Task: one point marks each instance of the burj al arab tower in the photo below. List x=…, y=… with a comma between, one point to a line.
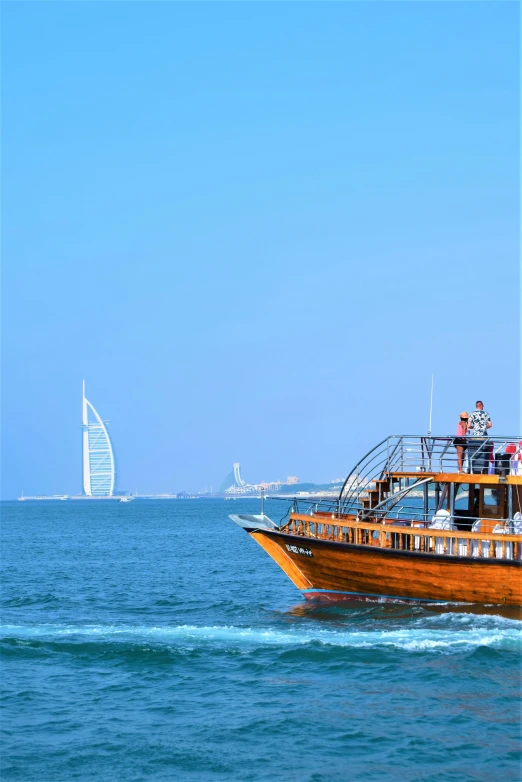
x=98, y=456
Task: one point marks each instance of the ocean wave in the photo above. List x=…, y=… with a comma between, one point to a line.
x=36, y=599
x=501, y=635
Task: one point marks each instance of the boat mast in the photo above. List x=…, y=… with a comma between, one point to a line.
x=431, y=406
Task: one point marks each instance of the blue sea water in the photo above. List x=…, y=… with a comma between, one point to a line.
x=157, y=641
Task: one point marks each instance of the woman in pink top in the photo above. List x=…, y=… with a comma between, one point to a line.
x=460, y=440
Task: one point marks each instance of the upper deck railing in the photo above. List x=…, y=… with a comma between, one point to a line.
x=413, y=455
x=396, y=482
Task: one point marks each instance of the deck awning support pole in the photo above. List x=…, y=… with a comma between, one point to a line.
x=452, y=500
x=510, y=508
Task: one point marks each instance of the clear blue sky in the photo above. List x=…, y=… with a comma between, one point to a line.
x=255, y=229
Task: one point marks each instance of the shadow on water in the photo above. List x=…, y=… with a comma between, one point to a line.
x=351, y=612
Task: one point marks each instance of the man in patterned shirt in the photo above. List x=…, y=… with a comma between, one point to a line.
x=480, y=422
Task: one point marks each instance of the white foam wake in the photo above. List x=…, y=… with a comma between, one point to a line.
x=459, y=635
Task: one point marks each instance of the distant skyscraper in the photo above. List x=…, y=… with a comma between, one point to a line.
x=98, y=457
x=233, y=479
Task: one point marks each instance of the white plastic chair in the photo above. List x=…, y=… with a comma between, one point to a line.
x=516, y=461
x=499, y=529
x=475, y=543
x=442, y=520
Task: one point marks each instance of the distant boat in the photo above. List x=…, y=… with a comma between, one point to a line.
x=460, y=541
x=126, y=499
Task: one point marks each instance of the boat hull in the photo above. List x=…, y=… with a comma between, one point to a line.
x=326, y=570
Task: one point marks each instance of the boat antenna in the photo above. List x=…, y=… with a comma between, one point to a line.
x=431, y=406
x=262, y=501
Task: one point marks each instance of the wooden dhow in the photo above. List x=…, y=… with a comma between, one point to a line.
x=408, y=526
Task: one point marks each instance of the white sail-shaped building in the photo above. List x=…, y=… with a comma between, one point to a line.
x=98, y=456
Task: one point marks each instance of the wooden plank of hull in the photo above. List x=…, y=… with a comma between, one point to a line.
x=370, y=571
x=280, y=555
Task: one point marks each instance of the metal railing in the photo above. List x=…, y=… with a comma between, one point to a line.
x=417, y=454
x=399, y=467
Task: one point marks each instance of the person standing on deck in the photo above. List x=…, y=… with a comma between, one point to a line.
x=460, y=440
x=479, y=421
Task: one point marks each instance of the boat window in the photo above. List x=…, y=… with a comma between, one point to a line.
x=462, y=496
x=492, y=502
x=491, y=496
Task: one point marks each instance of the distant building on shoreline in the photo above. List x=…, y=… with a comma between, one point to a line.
x=233, y=481
x=235, y=485
x=98, y=455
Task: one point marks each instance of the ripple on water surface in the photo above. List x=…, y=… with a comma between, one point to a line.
x=134, y=649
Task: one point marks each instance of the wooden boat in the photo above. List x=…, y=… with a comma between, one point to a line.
x=408, y=526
